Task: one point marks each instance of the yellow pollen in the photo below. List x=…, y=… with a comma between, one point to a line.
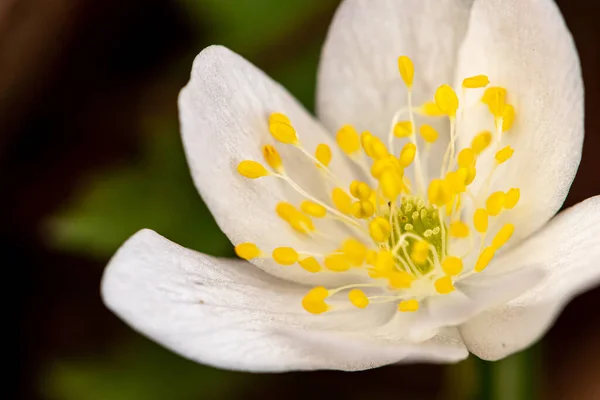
x=323, y=154
x=508, y=117
x=313, y=209
x=310, y=264
x=403, y=129
x=512, y=198
x=391, y=184
x=470, y=175
x=272, y=158
x=252, y=169
x=380, y=229
x=371, y=257
x=400, y=279
x=495, y=99
x=452, y=266
x=459, y=229
x=466, y=158
x=407, y=70
x=494, y=203
x=439, y=192
x=342, y=201
x=360, y=190
x=420, y=252
x=285, y=255
x=354, y=251
x=337, y=263
x=484, y=258
x=504, y=154
x=358, y=298
x=247, y=251
x=407, y=154
x=480, y=220
x=295, y=218
x=390, y=162
x=279, y=117
x=384, y=265
x=314, y=300
x=411, y=305
x=481, y=142
x=431, y=109
x=377, y=149
x=456, y=180
x=446, y=100
x=444, y=285
x=347, y=139
x=475, y=82
x=428, y=133
x=503, y=236
x=363, y=209
x=283, y=132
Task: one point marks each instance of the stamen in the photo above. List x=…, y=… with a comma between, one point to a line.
x=310, y=264
x=252, y=169
x=446, y=100
x=247, y=251
x=282, y=131
x=411, y=305
x=407, y=70
x=481, y=142
x=407, y=154
x=452, y=266
x=504, y=154
x=512, y=198
x=313, y=209
x=342, y=201
x=403, y=129
x=347, y=139
x=314, y=300
x=272, y=158
x=323, y=154
x=459, y=229
x=337, y=263
x=503, y=236
x=444, y=285
x=358, y=298
x=475, y=82
x=484, y=258
x=494, y=203
x=480, y=220
x=285, y=255
x=428, y=133
x=380, y=229
x=360, y=190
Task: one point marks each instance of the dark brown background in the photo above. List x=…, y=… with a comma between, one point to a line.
x=73, y=77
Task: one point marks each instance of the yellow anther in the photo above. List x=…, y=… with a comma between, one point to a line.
x=380, y=229
x=314, y=300
x=371, y=257
x=337, y=263
x=428, y=133
x=310, y=264
x=484, y=258
x=313, y=209
x=400, y=279
x=439, y=192
x=295, y=218
x=407, y=154
x=508, y=117
x=376, y=148
x=452, y=266
x=444, y=285
x=470, y=175
x=480, y=220
x=446, y=100
x=347, y=139
x=247, y=251
x=279, y=117
x=431, y=109
x=495, y=98
x=407, y=70
x=384, y=264
x=466, y=158
x=475, y=82
x=481, y=141
x=420, y=252
x=285, y=210
x=503, y=236
x=411, y=305
x=358, y=298
x=494, y=203
x=391, y=184
x=504, y=154
x=456, y=180
x=252, y=169
x=342, y=201
x=283, y=132
x=403, y=129
x=363, y=209
x=323, y=154
x=459, y=229
x=512, y=198
x=360, y=190
x=272, y=157
x=354, y=251
x=285, y=255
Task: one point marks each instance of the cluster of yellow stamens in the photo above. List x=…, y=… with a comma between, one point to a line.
x=406, y=233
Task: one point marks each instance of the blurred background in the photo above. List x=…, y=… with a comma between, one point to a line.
x=90, y=153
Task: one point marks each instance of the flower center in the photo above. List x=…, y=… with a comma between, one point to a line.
x=410, y=241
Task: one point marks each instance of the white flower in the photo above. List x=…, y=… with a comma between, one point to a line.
x=407, y=258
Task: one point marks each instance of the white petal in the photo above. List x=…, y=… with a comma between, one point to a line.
x=569, y=251
x=224, y=111
x=231, y=315
x=524, y=46
x=359, y=81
